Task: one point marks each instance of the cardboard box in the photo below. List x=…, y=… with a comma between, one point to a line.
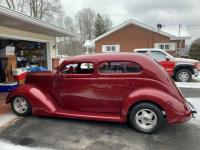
x=20, y=82
x=55, y=63
x=11, y=63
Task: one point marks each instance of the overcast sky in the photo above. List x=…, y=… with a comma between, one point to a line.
x=151, y=12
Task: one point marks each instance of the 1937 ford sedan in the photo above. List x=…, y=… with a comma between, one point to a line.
x=106, y=87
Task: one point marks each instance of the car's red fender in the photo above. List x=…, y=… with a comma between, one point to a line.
x=40, y=101
x=173, y=108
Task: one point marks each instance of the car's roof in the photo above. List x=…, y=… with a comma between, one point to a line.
x=106, y=56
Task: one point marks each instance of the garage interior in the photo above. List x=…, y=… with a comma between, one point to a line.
x=20, y=54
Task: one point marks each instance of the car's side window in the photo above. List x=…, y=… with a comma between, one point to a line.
x=158, y=55
x=78, y=68
x=85, y=68
x=119, y=67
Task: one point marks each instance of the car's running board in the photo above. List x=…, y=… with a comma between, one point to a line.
x=88, y=116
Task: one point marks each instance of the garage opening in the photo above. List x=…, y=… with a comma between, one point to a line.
x=20, y=54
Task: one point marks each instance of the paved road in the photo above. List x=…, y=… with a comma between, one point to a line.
x=188, y=92
x=69, y=134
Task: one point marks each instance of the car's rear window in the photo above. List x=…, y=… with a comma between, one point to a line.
x=117, y=67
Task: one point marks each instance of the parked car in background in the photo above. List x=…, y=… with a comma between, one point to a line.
x=181, y=69
x=107, y=87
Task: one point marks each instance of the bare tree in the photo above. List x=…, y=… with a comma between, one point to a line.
x=10, y=4
x=44, y=8
x=17, y=5
x=21, y=5
x=107, y=22
x=85, y=21
x=69, y=23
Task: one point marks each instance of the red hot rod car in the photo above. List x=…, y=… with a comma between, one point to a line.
x=108, y=87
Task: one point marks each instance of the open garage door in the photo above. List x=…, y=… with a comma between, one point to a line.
x=16, y=53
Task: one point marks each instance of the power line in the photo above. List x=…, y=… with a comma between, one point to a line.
x=195, y=25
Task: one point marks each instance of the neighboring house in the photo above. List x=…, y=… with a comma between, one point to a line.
x=131, y=35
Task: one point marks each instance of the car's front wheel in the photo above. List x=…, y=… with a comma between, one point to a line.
x=183, y=75
x=146, y=118
x=21, y=106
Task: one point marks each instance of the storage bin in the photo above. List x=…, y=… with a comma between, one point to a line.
x=18, y=71
x=7, y=87
x=20, y=76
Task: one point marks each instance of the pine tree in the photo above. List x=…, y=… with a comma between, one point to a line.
x=195, y=51
x=99, y=26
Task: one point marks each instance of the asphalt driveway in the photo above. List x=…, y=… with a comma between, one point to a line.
x=85, y=135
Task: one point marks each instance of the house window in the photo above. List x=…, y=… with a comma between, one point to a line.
x=110, y=48
x=161, y=46
x=113, y=48
x=165, y=46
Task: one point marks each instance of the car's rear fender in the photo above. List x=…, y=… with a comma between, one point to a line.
x=172, y=107
x=40, y=102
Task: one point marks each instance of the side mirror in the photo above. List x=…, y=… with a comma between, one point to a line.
x=167, y=58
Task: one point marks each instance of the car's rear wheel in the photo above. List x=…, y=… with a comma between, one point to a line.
x=183, y=75
x=21, y=106
x=146, y=118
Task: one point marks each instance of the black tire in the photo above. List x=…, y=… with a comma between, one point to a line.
x=146, y=106
x=26, y=112
x=187, y=72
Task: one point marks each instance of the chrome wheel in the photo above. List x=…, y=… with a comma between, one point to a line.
x=184, y=76
x=146, y=119
x=20, y=105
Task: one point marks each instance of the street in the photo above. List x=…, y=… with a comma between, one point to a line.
x=54, y=133
x=188, y=92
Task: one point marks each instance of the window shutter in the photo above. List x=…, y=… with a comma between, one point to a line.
x=117, y=48
x=103, y=48
x=156, y=45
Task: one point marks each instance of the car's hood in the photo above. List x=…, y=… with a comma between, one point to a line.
x=185, y=60
x=40, y=77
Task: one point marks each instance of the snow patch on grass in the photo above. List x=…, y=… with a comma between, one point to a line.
x=196, y=103
x=197, y=78
x=194, y=85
